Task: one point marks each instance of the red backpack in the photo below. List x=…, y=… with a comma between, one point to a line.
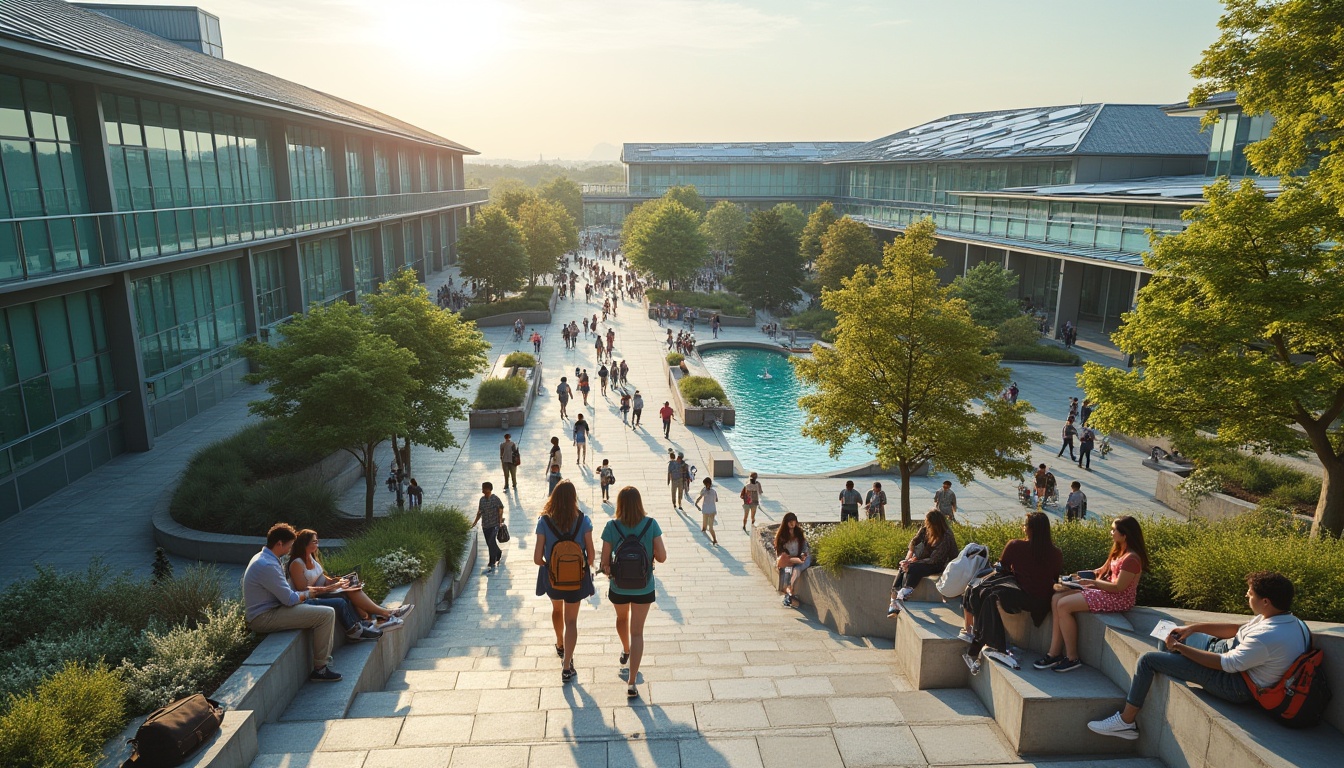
x=1299, y=699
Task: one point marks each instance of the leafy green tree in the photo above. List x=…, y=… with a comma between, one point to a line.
x=548, y=233
x=511, y=200
x=335, y=385
x=1284, y=59
x=724, y=226
x=505, y=187
x=767, y=269
x=907, y=375
x=666, y=243
x=689, y=196
x=987, y=289
x=633, y=220
x=793, y=217
x=491, y=250
x=845, y=246
x=809, y=242
x=568, y=194
x=448, y=350
x=1240, y=334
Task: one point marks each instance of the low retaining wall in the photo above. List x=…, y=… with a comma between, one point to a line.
x=529, y=317
x=695, y=416
x=1215, y=506
x=507, y=418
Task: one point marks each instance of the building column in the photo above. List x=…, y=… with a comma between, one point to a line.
x=1068, y=296
x=1005, y=258
x=128, y=369
x=97, y=168
x=966, y=260
x=294, y=279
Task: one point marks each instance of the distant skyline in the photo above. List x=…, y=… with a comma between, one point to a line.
x=525, y=78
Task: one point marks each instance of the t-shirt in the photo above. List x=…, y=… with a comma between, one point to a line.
x=674, y=468
x=1035, y=575
x=492, y=510
x=753, y=493
x=563, y=392
x=555, y=455
x=1040, y=478
x=709, y=501
x=544, y=531
x=850, y=500
x=945, y=500
x=580, y=431
x=506, y=451
x=1264, y=648
x=665, y=412
x=875, y=499
x=638, y=403
x=615, y=532
x=1112, y=568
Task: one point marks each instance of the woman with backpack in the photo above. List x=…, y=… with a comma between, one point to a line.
x=631, y=544
x=930, y=551
x=563, y=553
x=794, y=555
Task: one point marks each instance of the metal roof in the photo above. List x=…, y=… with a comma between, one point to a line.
x=101, y=41
x=734, y=152
x=1063, y=131
x=1220, y=100
x=1178, y=187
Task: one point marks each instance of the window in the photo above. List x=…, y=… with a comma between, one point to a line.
x=268, y=272
x=190, y=324
x=321, y=263
x=363, y=255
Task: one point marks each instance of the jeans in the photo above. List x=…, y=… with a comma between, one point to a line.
x=1227, y=686
x=637, y=413
x=492, y=541
x=1068, y=443
x=678, y=493
x=667, y=428
x=913, y=573
x=849, y=514
x=1085, y=455
x=510, y=471
x=345, y=615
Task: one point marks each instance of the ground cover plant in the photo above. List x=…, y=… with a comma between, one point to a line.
x=675, y=358
x=719, y=301
x=1252, y=478
x=1197, y=564
x=520, y=360
x=244, y=483
x=534, y=299
x=500, y=393
x=426, y=534
x=697, y=388
x=1037, y=353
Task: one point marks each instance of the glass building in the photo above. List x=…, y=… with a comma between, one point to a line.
x=158, y=207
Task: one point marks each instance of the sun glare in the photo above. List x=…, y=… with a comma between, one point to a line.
x=462, y=34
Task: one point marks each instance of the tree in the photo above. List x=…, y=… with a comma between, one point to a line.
x=724, y=226
x=794, y=218
x=335, y=385
x=448, y=350
x=687, y=195
x=568, y=194
x=767, y=269
x=906, y=372
x=548, y=233
x=1240, y=334
x=491, y=250
x=666, y=243
x=809, y=242
x=1284, y=59
x=845, y=246
x=508, y=188
x=987, y=288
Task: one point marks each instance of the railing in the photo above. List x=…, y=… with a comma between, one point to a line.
x=45, y=245
x=808, y=191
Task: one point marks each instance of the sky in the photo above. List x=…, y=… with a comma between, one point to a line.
x=556, y=78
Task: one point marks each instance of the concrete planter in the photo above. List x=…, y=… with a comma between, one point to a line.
x=695, y=416
x=532, y=317
x=1214, y=507
x=507, y=418
x=727, y=321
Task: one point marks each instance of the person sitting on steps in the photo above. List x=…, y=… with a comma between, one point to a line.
x=306, y=572
x=1025, y=581
x=930, y=551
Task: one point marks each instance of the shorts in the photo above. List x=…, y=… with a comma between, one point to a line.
x=750, y=508
x=707, y=521
x=644, y=599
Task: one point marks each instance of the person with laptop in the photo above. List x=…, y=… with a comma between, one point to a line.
x=306, y=571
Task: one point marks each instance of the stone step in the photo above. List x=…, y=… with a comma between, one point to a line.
x=927, y=648
x=330, y=701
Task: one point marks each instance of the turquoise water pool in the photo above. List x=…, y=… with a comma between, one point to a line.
x=768, y=436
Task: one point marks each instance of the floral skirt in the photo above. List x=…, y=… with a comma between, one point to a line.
x=1109, y=602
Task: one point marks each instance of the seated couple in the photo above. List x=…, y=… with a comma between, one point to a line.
x=271, y=604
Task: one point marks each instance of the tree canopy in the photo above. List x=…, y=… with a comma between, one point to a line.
x=767, y=269
x=568, y=194
x=793, y=218
x=511, y=199
x=665, y=241
x=1240, y=334
x=335, y=384
x=809, y=242
x=987, y=288
x=491, y=250
x=724, y=226
x=548, y=233
x=845, y=246
x=907, y=375
x=689, y=196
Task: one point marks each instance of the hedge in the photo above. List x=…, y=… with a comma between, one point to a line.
x=719, y=301
x=520, y=360
x=427, y=533
x=1197, y=565
x=675, y=358
x=1036, y=353
x=500, y=393
x=244, y=483
x=535, y=299
x=1253, y=478
x=697, y=388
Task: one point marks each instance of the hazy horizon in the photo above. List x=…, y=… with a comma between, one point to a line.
x=521, y=78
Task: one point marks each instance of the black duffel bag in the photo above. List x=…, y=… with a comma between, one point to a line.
x=172, y=733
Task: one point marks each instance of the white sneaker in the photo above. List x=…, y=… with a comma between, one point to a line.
x=971, y=663
x=1114, y=726
x=1005, y=659
x=965, y=637
x=894, y=609
x=904, y=593
x=392, y=622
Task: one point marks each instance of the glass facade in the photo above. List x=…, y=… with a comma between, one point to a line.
x=736, y=180
x=391, y=250
x=268, y=276
x=312, y=178
x=41, y=175
x=933, y=182
x=190, y=323
x=362, y=245
x=321, y=264
x=1227, y=150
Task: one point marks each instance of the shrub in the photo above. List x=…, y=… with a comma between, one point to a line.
x=719, y=301
x=22, y=668
x=53, y=603
x=819, y=321
x=190, y=596
x=675, y=358
x=1037, y=353
x=697, y=388
x=866, y=542
x=64, y=723
x=1020, y=331
x=520, y=360
x=500, y=393
x=428, y=534
x=186, y=659
x=535, y=299
x=400, y=567
x=1253, y=478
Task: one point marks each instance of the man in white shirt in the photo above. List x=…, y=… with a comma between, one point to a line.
x=1216, y=655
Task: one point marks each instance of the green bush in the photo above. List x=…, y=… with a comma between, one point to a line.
x=1020, y=331
x=244, y=483
x=865, y=542
x=1037, y=353
x=1254, y=477
x=723, y=303
x=428, y=533
x=675, y=358
x=536, y=299
x=500, y=393
x=64, y=723
x=188, y=659
x=819, y=321
x=520, y=360
x=189, y=596
x=697, y=388
x=55, y=604
x=22, y=668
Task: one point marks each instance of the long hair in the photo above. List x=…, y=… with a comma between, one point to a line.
x=784, y=534
x=562, y=506
x=935, y=527
x=629, y=506
x=1129, y=528
x=300, y=550
x=1038, y=532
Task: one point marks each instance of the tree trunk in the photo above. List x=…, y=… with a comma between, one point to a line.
x=905, y=493
x=370, y=482
x=1330, y=506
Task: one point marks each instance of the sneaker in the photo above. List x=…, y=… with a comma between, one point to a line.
x=965, y=637
x=1046, y=662
x=1114, y=726
x=631, y=692
x=1003, y=658
x=391, y=623
x=893, y=609
x=567, y=674
x=1068, y=665
x=624, y=658
x=971, y=663
x=325, y=675
x=403, y=611
x=361, y=632
x=788, y=601
x=904, y=593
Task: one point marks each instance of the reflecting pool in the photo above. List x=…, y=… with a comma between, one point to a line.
x=768, y=437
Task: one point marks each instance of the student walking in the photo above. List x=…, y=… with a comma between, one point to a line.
x=554, y=456
x=637, y=409
x=490, y=514
x=563, y=393
x=602, y=379
x=675, y=469
x=509, y=459
x=1086, y=442
x=606, y=478
x=631, y=544
x=849, y=502
x=563, y=555
x=1068, y=433
x=415, y=495
x=666, y=414
x=876, y=502
x=751, y=499
x=552, y=479
x=581, y=432
x=707, y=501
x=945, y=501
x=584, y=386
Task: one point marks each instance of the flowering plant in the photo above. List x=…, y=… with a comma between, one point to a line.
x=400, y=566
x=1198, y=486
x=710, y=402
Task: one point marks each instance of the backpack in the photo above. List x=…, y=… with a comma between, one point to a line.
x=608, y=477
x=965, y=568
x=517, y=458
x=568, y=563
x=172, y=733
x=631, y=565
x=1300, y=698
